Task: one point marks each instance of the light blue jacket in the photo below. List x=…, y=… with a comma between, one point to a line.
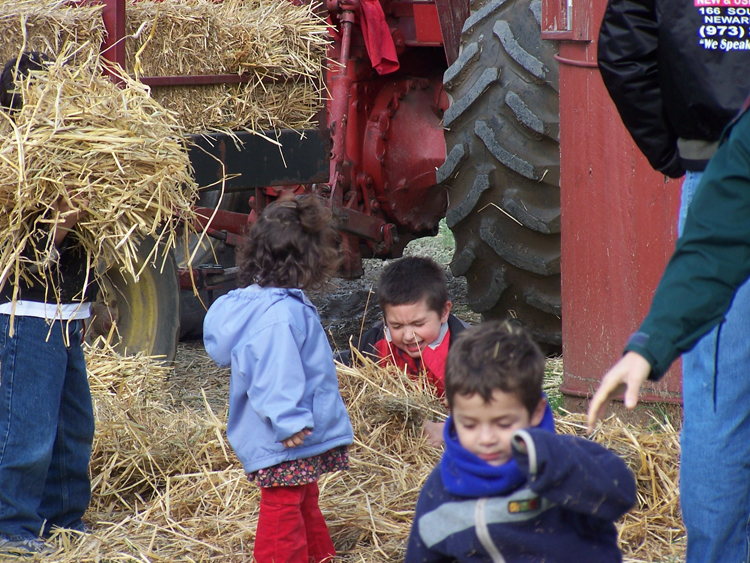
x=283, y=376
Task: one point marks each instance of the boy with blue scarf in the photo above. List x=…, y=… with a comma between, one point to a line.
x=508, y=488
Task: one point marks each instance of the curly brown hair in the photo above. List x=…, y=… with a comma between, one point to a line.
x=292, y=244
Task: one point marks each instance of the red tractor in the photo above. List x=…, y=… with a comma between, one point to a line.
x=466, y=128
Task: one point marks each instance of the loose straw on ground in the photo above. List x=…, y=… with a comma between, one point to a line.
x=167, y=486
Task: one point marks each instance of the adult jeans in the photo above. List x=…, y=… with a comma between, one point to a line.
x=715, y=441
x=46, y=427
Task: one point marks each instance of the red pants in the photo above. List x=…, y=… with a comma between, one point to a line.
x=291, y=528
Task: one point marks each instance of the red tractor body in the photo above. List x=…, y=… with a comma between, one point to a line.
x=379, y=153
x=385, y=130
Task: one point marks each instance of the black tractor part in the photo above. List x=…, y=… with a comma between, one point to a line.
x=503, y=167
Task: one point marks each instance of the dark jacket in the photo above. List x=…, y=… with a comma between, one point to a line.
x=711, y=261
x=67, y=275
x=675, y=71
x=564, y=513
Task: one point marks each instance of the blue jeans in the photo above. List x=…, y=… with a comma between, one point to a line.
x=715, y=460
x=46, y=427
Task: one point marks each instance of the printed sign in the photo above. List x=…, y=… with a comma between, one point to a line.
x=725, y=25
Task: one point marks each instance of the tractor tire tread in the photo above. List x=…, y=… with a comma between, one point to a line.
x=512, y=161
x=468, y=55
x=524, y=114
x=514, y=252
x=462, y=210
x=457, y=109
x=495, y=289
x=482, y=14
x=463, y=260
x=518, y=53
x=537, y=219
x=504, y=179
x=455, y=157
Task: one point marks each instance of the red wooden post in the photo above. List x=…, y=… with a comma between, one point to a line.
x=452, y=14
x=619, y=216
x=114, y=21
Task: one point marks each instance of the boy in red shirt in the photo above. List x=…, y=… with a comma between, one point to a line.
x=417, y=327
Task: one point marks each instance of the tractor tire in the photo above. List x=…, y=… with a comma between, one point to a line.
x=503, y=167
x=146, y=313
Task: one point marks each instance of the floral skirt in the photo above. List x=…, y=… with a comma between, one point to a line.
x=302, y=471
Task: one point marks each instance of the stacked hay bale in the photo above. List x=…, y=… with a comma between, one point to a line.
x=167, y=486
x=48, y=26
x=279, y=46
x=119, y=153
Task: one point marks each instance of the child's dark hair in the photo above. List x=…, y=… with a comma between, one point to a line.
x=495, y=355
x=412, y=279
x=292, y=244
x=14, y=68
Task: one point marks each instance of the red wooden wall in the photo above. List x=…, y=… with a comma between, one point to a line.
x=619, y=216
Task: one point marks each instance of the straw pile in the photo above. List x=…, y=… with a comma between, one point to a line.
x=280, y=45
x=168, y=488
x=109, y=151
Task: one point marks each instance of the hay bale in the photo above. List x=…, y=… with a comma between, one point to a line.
x=199, y=506
x=110, y=151
x=282, y=47
x=255, y=106
x=47, y=26
x=142, y=440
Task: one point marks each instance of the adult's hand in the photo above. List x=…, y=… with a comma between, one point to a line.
x=626, y=375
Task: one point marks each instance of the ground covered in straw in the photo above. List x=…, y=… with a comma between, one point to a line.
x=167, y=486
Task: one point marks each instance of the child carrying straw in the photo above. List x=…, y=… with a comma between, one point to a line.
x=287, y=421
x=46, y=414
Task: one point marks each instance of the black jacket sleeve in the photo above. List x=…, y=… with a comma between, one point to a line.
x=576, y=474
x=628, y=64
x=364, y=343
x=711, y=261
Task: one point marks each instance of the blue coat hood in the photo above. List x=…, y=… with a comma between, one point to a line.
x=283, y=377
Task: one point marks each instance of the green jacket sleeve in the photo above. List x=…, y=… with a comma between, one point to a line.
x=711, y=261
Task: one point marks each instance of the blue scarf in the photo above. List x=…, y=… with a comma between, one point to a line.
x=467, y=475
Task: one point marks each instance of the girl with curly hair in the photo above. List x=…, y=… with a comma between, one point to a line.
x=287, y=421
